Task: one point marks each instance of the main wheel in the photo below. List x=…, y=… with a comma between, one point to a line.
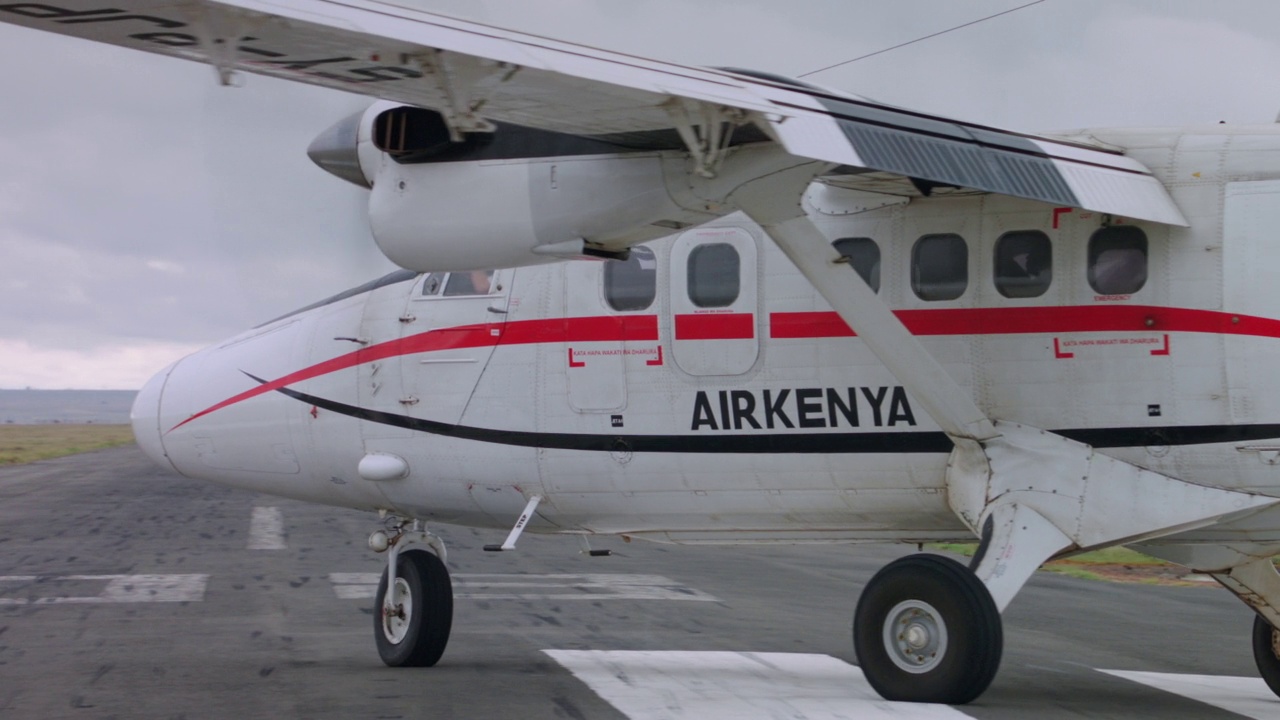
x=927, y=630
x=1266, y=652
x=415, y=630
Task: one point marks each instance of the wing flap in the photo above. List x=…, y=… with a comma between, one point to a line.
x=469, y=70
x=935, y=151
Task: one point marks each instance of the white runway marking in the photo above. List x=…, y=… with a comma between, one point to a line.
x=266, y=529
x=514, y=586
x=1245, y=696
x=355, y=586
x=118, y=589
x=647, y=685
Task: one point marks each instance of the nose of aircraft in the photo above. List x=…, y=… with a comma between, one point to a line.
x=145, y=417
x=337, y=150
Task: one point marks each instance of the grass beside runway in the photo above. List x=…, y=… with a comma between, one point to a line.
x=28, y=443
x=1116, y=564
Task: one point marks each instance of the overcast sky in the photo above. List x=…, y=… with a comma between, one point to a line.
x=146, y=212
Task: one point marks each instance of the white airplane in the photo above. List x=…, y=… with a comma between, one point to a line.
x=802, y=317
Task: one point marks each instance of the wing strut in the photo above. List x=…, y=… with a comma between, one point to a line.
x=862, y=309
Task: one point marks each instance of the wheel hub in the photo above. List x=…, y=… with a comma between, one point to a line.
x=915, y=636
x=396, y=611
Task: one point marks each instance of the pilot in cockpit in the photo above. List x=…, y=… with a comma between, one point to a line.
x=475, y=282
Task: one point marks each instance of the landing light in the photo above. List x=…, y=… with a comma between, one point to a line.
x=381, y=467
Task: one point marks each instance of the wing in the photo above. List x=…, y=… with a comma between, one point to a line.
x=473, y=73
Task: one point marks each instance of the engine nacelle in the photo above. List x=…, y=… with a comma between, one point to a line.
x=515, y=196
x=476, y=214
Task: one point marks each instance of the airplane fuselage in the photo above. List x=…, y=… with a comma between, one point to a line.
x=704, y=392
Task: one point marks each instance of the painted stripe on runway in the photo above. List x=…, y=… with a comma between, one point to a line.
x=1245, y=696
x=266, y=529
x=648, y=685
x=515, y=586
x=117, y=589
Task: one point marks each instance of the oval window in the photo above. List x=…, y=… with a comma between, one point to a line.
x=940, y=267
x=1118, y=260
x=1024, y=264
x=631, y=284
x=714, y=271
x=864, y=257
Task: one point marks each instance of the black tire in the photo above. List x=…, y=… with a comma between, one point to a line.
x=1264, y=653
x=953, y=649
x=415, y=636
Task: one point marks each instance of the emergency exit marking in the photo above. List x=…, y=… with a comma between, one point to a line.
x=653, y=355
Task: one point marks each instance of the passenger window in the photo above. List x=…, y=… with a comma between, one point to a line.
x=714, y=275
x=940, y=267
x=631, y=284
x=475, y=282
x=431, y=286
x=864, y=257
x=1118, y=260
x=1024, y=264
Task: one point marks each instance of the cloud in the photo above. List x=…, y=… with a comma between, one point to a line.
x=116, y=366
x=144, y=206
x=165, y=266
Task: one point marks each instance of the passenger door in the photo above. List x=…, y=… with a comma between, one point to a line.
x=714, y=301
x=610, y=325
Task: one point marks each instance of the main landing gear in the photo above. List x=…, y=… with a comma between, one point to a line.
x=413, y=608
x=1266, y=652
x=1247, y=570
x=927, y=630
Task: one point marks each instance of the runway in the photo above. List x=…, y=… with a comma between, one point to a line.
x=129, y=592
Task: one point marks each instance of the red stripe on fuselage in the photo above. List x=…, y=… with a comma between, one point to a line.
x=794, y=325
x=1017, y=321
x=520, y=332
x=715, y=326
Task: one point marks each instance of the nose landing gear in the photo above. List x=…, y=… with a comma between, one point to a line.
x=414, y=603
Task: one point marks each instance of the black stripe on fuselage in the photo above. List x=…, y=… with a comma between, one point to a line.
x=812, y=443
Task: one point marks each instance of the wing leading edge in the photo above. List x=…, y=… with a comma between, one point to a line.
x=474, y=73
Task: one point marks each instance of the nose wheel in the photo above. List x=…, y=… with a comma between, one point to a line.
x=927, y=630
x=414, y=614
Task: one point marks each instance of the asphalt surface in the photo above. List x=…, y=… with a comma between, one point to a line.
x=130, y=592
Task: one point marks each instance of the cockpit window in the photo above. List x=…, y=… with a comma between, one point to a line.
x=474, y=282
x=431, y=286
